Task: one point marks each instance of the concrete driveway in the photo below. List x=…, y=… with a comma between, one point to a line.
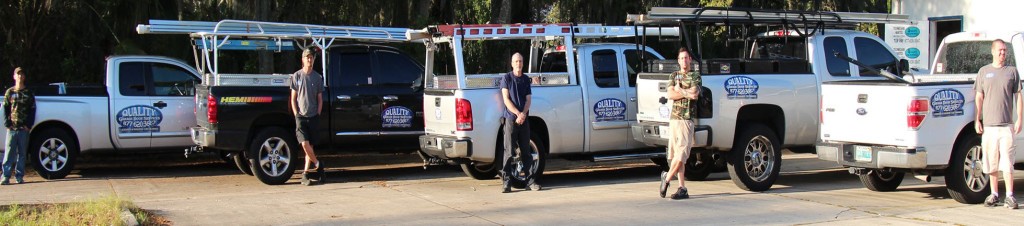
x=392, y=189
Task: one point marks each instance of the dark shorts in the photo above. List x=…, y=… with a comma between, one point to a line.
x=305, y=128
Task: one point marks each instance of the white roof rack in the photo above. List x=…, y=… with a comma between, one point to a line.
x=210, y=37
x=252, y=29
x=533, y=31
x=661, y=15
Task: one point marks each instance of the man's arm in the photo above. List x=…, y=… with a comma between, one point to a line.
x=291, y=102
x=979, y=97
x=7, y=110
x=1020, y=112
x=508, y=102
x=319, y=102
x=31, y=117
x=674, y=93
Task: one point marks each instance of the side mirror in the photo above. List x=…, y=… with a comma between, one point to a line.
x=904, y=66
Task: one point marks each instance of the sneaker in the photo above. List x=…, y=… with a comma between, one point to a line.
x=5, y=182
x=505, y=187
x=681, y=194
x=19, y=180
x=321, y=177
x=663, y=188
x=1010, y=202
x=992, y=200
x=534, y=187
x=305, y=179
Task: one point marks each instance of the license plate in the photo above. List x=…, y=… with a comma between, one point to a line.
x=862, y=154
x=664, y=132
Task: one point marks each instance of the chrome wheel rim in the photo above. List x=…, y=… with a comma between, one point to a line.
x=275, y=155
x=518, y=171
x=759, y=158
x=53, y=154
x=974, y=177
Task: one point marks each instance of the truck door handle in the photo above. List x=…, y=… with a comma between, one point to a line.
x=632, y=99
x=390, y=98
x=344, y=97
x=160, y=104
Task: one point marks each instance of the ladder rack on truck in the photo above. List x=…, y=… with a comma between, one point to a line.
x=537, y=33
x=803, y=23
x=211, y=37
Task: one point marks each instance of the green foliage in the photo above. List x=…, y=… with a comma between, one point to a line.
x=104, y=210
x=67, y=41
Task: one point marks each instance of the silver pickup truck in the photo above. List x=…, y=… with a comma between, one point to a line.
x=145, y=105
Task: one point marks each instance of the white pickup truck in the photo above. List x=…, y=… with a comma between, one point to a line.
x=764, y=97
x=583, y=98
x=146, y=105
x=883, y=129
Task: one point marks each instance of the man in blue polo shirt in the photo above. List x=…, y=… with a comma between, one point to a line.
x=515, y=95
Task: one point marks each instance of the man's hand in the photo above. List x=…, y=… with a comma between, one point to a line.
x=978, y=127
x=1016, y=127
x=520, y=118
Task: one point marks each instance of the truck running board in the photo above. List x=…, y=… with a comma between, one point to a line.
x=628, y=156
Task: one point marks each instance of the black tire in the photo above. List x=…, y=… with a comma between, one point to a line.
x=480, y=170
x=47, y=148
x=272, y=147
x=540, y=156
x=662, y=163
x=878, y=180
x=699, y=166
x=965, y=180
x=242, y=163
x=757, y=145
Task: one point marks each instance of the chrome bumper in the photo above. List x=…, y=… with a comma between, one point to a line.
x=648, y=133
x=446, y=147
x=881, y=156
x=203, y=137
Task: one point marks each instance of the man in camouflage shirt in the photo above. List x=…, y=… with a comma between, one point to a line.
x=683, y=91
x=19, y=116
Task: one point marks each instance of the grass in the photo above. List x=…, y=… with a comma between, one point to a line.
x=104, y=210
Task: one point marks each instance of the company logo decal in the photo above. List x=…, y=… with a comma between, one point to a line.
x=610, y=109
x=947, y=102
x=396, y=117
x=741, y=87
x=139, y=119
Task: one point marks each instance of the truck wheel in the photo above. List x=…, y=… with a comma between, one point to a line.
x=53, y=152
x=699, y=166
x=479, y=170
x=755, y=158
x=662, y=163
x=965, y=180
x=518, y=176
x=878, y=180
x=242, y=163
x=271, y=154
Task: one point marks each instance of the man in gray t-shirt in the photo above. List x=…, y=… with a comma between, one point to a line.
x=306, y=102
x=996, y=87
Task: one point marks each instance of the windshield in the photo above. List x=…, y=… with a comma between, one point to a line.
x=967, y=57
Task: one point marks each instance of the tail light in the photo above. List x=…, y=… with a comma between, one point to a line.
x=916, y=112
x=211, y=109
x=463, y=115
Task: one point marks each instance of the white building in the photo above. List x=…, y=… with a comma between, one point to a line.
x=938, y=18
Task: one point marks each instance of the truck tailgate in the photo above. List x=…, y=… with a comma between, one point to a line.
x=651, y=89
x=867, y=113
x=439, y=112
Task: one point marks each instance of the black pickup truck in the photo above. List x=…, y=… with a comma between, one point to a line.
x=373, y=101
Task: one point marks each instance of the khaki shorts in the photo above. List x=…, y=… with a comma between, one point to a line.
x=997, y=149
x=680, y=139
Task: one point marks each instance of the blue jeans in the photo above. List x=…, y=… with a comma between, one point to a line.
x=16, y=153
